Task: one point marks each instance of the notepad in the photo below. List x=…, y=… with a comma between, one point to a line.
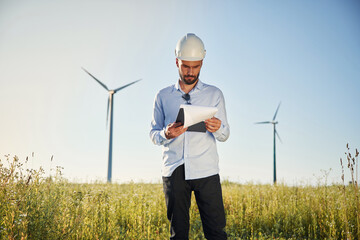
x=193, y=117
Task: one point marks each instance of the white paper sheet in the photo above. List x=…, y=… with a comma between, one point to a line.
x=194, y=114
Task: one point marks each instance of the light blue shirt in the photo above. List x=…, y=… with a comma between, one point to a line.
x=196, y=150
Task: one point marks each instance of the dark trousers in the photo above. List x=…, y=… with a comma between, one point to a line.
x=208, y=198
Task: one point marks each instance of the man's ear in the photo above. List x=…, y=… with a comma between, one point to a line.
x=177, y=62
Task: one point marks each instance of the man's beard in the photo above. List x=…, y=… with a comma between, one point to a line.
x=190, y=81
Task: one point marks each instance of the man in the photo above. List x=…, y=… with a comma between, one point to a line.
x=190, y=159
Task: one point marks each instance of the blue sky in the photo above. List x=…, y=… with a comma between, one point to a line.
x=305, y=54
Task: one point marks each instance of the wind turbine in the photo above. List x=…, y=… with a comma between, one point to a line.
x=110, y=105
x=273, y=122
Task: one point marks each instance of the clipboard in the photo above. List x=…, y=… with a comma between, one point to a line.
x=198, y=127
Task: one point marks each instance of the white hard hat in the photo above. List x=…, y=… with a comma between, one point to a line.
x=190, y=48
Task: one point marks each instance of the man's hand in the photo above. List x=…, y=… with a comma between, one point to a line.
x=174, y=130
x=213, y=124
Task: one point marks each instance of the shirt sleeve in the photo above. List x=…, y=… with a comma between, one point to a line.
x=157, y=132
x=223, y=133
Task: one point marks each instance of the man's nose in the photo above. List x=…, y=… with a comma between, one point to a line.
x=191, y=71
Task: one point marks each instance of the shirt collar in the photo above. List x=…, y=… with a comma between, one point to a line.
x=198, y=86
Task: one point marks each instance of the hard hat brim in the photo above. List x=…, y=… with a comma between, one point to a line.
x=190, y=58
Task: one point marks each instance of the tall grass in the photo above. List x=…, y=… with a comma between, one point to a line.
x=33, y=206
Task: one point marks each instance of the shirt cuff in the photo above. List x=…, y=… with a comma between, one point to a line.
x=162, y=134
x=164, y=140
x=218, y=133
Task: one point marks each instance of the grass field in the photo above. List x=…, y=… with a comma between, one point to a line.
x=35, y=207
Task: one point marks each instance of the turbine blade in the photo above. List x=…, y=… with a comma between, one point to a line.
x=262, y=122
x=103, y=85
x=278, y=135
x=276, y=111
x=118, y=89
x=107, y=114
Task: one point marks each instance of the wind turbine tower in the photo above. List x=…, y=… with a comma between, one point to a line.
x=110, y=105
x=273, y=122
